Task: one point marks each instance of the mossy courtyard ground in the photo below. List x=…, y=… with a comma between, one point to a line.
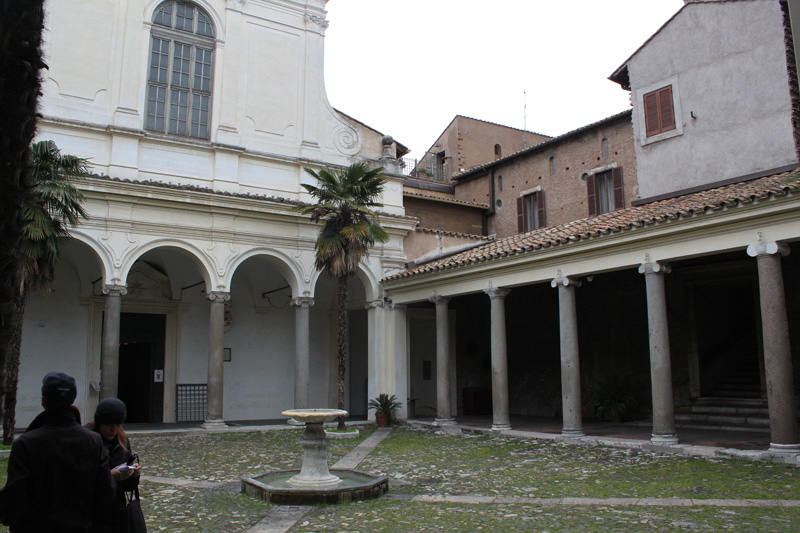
x=471, y=482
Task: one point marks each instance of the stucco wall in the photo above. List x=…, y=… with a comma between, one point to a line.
x=727, y=64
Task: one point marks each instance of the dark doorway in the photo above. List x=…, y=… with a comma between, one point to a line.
x=727, y=339
x=141, y=366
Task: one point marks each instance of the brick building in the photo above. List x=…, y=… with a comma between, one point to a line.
x=588, y=171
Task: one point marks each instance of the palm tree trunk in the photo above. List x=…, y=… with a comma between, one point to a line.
x=21, y=25
x=341, y=340
x=12, y=373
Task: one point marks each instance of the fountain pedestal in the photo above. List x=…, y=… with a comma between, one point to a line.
x=315, y=484
x=314, y=472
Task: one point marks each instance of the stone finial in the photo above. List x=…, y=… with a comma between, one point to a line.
x=387, y=141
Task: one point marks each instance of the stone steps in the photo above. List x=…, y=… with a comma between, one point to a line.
x=741, y=414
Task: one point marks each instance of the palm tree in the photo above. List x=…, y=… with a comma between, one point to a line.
x=55, y=205
x=345, y=202
x=21, y=26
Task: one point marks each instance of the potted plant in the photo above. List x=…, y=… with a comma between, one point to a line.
x=614, y=398
x=384, y=406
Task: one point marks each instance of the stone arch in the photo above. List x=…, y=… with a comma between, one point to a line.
x=105, y=261
x=200, y=259
x=372, y=289
x=285, y=264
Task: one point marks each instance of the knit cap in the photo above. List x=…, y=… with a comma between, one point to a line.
x=110, y=411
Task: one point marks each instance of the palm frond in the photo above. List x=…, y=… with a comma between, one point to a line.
x=344, y=203
x=54, y=206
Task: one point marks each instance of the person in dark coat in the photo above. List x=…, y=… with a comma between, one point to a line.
x=58, y=474
x=125, y=468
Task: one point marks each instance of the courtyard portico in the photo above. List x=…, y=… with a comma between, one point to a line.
x=218, y=310
x=629, y=316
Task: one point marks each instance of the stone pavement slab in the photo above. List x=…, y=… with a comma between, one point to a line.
x=281, y=519
x=352, y=459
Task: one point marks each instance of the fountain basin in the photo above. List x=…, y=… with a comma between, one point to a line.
x=274, y=487
x=314, y=416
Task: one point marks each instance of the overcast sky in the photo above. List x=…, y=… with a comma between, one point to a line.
x=407, y=67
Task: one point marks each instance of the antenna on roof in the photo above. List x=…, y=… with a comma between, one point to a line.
x=524, y=118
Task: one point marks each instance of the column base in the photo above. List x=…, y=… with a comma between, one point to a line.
x=664, y=439
x=572, y=433
x=214, y=424
x=501, y=427
x=784, y=449
x=444, y=422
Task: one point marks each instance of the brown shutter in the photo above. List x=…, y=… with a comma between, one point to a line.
x=667, y=113
x=651, y=118
x=540, y=209
x=591, y=188
x=619, y=189
x=520, y=215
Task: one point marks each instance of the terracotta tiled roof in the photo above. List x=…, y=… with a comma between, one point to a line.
x=454, y=234
x=670, y=209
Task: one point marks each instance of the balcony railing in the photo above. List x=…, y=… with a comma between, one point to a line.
x=426, y=168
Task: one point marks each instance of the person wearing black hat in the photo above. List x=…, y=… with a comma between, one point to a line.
x=125, y=468
x=58, y=476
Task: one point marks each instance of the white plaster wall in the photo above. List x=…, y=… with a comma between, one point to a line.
x=727, y=63
x=54, y=339
x=259, y=380
x=269, y=107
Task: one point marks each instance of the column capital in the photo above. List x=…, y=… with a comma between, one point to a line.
x=219, y=296
x=115, y=289
x=374, y=304
x=306, y=302
x=496, y=292
x=564, y=281
x=439, y=299
x=767, y=248
x=654, y=267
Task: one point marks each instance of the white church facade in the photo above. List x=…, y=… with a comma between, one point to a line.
x=190, y=292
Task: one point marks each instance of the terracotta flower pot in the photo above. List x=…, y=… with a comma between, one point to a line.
x=382, y=419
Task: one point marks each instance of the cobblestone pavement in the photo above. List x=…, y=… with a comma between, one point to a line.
x=468, y=481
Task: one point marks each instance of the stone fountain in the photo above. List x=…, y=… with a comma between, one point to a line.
x=314, y=483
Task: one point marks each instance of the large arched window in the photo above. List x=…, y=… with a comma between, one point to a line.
x=181, y=65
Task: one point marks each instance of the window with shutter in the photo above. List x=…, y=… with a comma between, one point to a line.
x=605, y=192
x=530, y=212
x=659, y=111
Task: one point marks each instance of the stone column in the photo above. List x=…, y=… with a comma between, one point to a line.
x=444, y=411
x=376, y=360
x=501, y=419
x=777, y=351
x=216, y=330
x=660, y=359
x=570, y=360
x=109, y=365
x=302, y=376
x=401, y=365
